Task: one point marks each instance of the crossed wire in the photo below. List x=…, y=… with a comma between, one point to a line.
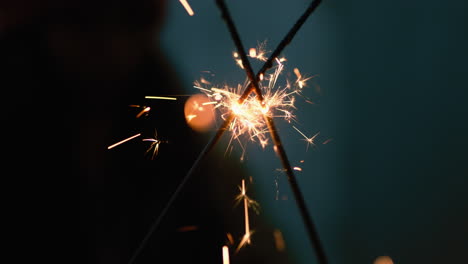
x=253, y=87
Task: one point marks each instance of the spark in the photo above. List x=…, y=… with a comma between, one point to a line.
x=225, y=255
x=230, y=239
x=144, y=110
x=123, y=141
x=250, y=113
x=245, y=240
x=247, y=203
x=310, y=141
x=154, y=145
x=301, y=81
x=246, y=213
x=187, y=7
x=160, y=97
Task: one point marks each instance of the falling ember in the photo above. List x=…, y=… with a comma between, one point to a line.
x=225, y=255
x=297, y=168
x=187, y=7
x=123, y=141
x=279, y=240
x=199, y=112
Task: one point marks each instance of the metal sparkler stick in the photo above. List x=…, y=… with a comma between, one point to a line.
x=313, y=235
x=253, y=86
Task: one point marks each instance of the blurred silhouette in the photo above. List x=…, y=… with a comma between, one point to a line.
x=75, y=77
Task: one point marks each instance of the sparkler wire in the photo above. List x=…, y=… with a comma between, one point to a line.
x=313, y=235
x=276, y=139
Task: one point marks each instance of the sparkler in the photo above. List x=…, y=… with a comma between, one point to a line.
x=278, y=102
x=253, y=87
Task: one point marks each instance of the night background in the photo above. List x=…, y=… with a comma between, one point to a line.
x=388, y=173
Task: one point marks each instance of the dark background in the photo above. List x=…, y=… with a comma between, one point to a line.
x=390, y=95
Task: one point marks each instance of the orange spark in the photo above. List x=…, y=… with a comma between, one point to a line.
x=187, y=7
x=144, y=111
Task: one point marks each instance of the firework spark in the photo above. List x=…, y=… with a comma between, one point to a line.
x=123, y=141
x=155, y=142
x=310, y=141
x=278, y=101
